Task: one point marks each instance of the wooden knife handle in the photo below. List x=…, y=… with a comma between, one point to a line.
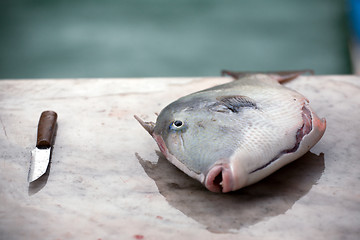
x=46, y=129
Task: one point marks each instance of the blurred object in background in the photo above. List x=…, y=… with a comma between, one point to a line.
x=160, y=38
x=354, y=16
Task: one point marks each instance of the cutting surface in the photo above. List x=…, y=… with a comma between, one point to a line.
x=107, y=179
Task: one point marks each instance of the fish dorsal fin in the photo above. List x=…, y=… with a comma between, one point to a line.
x=233, y=103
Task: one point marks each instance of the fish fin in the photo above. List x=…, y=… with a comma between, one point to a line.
x=284, y=76
x=233, y=103
x=235, y=75
x=281, y=76
x=148, y=126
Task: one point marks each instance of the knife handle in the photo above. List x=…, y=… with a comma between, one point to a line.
x=46, y=129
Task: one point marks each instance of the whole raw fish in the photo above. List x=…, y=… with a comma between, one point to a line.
x=235, y=134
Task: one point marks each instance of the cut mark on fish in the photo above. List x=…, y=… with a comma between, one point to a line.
x=182, y=141
x=301, y=132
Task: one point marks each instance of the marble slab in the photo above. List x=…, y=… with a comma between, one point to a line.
x=107, y=179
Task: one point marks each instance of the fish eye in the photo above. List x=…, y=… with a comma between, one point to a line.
x=176, y=125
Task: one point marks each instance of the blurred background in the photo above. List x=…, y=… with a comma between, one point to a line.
x=160, y=38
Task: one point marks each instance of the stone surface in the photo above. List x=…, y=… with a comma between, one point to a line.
x=107, y=179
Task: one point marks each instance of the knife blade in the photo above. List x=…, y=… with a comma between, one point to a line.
x=40, y=156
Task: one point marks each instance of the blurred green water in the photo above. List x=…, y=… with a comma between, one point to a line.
x=155, y=38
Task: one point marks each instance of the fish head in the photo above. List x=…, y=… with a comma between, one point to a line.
x=226, y=148
x=197, y=140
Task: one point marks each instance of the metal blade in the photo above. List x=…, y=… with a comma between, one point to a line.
x=39, y=163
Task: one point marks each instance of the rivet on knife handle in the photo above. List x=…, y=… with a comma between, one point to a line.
x=46, y=129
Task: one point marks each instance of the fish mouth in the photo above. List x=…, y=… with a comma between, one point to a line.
x=220, y=178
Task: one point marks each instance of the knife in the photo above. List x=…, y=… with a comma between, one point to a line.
x=40, y=156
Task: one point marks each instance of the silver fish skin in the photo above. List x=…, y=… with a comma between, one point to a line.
x=235, y=134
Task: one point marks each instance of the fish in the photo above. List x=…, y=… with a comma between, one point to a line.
x=235, y=134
